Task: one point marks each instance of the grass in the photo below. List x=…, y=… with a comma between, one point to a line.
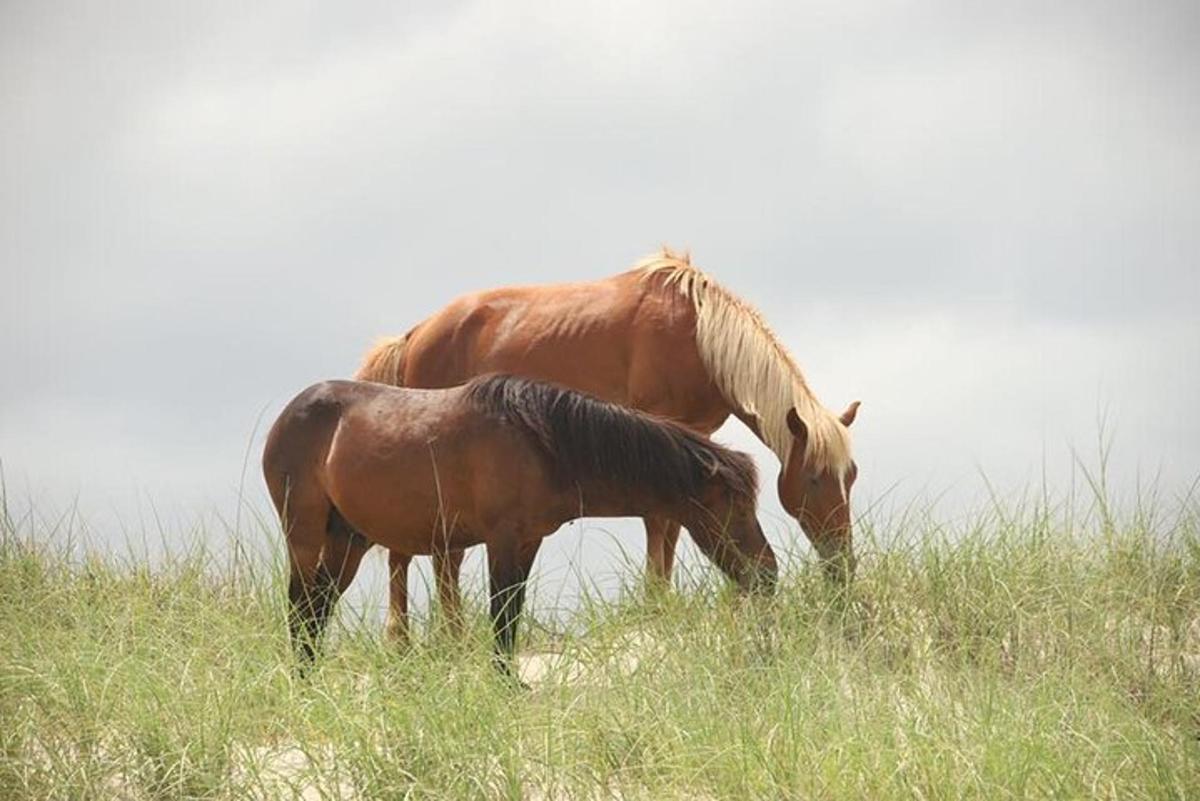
x=1023, y=654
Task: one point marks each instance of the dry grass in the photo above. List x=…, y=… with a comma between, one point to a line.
x=1022, y=654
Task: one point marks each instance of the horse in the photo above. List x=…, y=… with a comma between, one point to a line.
x=664, y=338
x=500, y=461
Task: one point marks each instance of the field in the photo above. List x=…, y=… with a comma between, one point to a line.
x=1029, y=652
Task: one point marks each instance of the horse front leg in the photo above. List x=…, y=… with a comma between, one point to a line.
x=397, y=622
x=447, y=566
x=509, y=565
x=662, y=534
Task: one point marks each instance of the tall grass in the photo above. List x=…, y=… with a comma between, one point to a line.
x=1030, y=652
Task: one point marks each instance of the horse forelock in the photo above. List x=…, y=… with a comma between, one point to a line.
x=592, y=440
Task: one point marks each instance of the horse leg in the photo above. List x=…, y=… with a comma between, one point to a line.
x=397, y=622
x=308, y=590
x=661, y=536
x=308, y=586
x=343, y=553
x=508, y=570
x=447, y=565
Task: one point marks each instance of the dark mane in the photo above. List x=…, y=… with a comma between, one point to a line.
x=590, y=439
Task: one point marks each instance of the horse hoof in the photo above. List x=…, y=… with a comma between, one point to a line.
x=511, y=678
x=513, y=681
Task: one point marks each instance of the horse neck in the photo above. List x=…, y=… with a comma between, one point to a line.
x=717, y=514
x=604, y=498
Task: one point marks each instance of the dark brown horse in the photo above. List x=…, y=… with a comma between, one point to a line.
x=501, y=461
x=664, y=338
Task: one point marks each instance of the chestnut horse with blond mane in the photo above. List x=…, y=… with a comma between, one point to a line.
x=664, y=338
x=502, y=461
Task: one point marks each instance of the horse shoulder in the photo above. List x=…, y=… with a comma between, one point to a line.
x=667, y=374
x=509, y=480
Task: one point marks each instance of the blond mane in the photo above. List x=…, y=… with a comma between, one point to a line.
x=751, y=367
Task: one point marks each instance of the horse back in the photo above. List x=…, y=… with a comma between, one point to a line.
x=623, y=338
x=407, y=465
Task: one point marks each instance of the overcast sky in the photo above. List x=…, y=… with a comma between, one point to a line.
x=981, y=219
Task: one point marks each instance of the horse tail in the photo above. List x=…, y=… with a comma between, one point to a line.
x=384, y=362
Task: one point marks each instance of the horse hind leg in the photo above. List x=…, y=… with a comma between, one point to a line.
x=341, y=557
x=322, y=568
x=305, y=521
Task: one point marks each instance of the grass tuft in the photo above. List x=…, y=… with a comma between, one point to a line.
x=1023, y=653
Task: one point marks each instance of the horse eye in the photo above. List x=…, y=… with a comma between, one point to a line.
x=814, y=480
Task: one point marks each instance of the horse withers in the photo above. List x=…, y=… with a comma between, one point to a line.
x=501, y=461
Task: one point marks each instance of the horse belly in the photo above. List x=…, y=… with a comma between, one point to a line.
x=402, y=494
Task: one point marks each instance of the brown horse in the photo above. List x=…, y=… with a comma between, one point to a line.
x=502, y=461
x=664, y=338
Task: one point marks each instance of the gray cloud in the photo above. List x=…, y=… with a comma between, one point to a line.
x=982, y=220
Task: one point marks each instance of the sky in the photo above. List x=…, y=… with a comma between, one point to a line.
x=980, y=219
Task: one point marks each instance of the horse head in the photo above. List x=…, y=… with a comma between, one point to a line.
x=817, y=493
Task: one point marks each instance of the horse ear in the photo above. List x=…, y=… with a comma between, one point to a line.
x=797, y=427
x=851, y=412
